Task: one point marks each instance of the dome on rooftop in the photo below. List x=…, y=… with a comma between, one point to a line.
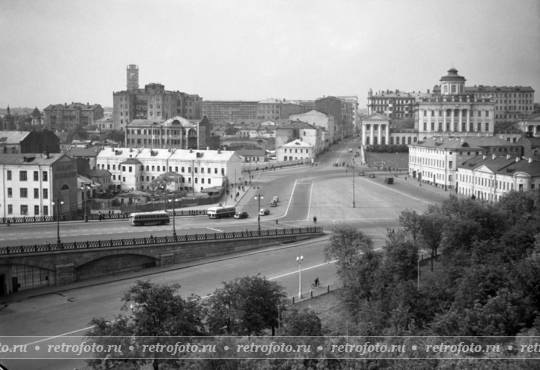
x=452, y=76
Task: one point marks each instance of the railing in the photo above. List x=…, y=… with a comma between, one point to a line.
x=93, y=216
x=156, y=240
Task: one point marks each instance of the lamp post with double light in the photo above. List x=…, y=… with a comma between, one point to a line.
x=299, y=260
x=259, y=197
x=353, y=201
x=58, y=204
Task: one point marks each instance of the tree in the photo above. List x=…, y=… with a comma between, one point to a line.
x=410, y=221
x=245, y=306
x=301, y=323
x=357, y=264
x=431, y=230
x=156, y=310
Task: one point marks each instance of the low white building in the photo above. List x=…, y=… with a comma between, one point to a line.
x=435, y=160
x=491, y=177
x=136, y=168
x=33, y=184
x=296, y=150
x=322, y=120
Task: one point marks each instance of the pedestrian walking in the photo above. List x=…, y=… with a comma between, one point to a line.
x=277, y=223
x=100, y=217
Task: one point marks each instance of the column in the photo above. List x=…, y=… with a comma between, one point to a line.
x=387, y=134
x=468, y=117
x=452, y=120
x=379, y=134
x=364, y=134
x=371, y=135
x=460, y=118
x=444, y=121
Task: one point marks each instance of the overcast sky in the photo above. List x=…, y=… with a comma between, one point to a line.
x=57, y=51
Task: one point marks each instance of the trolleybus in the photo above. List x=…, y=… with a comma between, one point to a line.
x=146, y=218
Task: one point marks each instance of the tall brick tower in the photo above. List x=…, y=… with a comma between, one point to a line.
x=132, y=77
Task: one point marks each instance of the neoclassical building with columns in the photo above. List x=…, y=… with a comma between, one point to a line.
x=449, y=113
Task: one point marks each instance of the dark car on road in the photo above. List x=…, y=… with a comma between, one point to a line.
x=264, y=211
x=372, y=175
x=241, y=215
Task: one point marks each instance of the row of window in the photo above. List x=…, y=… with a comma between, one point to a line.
x=431, y=162
x=24, y=210
x=23, y=175
x=152, y=178
x=463, y=126
x=297, y=151
x=23, y=193
x=448, y=111
x=155, y=141
x=163, y=168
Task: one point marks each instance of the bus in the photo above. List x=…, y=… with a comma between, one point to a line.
x=220, y=211
x=145, y=218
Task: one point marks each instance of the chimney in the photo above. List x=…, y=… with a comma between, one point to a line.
x=484, y=157
x=517, y=159
x=494, y=156
x=508, y=156
x=530, y=160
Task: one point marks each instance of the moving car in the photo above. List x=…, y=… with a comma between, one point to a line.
x=389, y=180
x=241, y=215
x=372, y=175
x=361, y=173
x=273, y=203
x=264, y=212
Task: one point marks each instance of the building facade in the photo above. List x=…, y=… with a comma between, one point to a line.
x=176, y=132
x=153, y=102
x=32, y=184
x=269, y=109
x=436, y=159
x=394, y=104
x=321, y=120
x=137, y=168
x=229, y=110
x=67, y=116
x=302, y=131
x=296, y=150
x=491, y=177
x=511, y=102
x=343, y=112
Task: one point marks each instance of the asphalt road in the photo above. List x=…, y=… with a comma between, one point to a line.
x=323, y=191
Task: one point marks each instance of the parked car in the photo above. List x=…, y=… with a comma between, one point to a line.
x=372, y=175
x=241, y=215
x=361, y=173
x=264, y=212
x=389, y=180
x=273, y=203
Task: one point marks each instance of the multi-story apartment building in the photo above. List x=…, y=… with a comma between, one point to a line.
x=491, y=177
x=269, y=109
x=321, y=120
x=229, y=110
x=153, y=102
x=66, y=116
x=435, y=160
x=511, y=102
x=136, y=168
x=352, y=108
x=176, y=132
x=394, y=104
x=343, y=112
x=33, y=184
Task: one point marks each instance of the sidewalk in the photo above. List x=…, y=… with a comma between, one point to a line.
x=431, y=188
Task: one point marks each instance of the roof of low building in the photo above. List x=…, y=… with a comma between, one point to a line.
x=251, y=152
x=83, y=152
x=297, y=144
x=96, y=173
x=13, y=137
x=464, y=142
x=494, y=164
x=32, y=159
x=131, y=161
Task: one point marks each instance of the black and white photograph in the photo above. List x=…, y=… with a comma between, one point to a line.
x=269, y=185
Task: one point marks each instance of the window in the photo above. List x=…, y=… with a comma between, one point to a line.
x=36, y=210
x=24, y=209
x=36, y=193
x=123, y=168
x=487, y=126
x=9, y=192
x=45, y=210
x=24, y=192
x=130, y=169
x=9, y=175
x=45, y=193
x=10, y=209
x=36, y=176
x=210, y=181
x=23, y=176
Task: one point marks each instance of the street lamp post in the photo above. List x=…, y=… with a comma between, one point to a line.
x=353, y=202
x=174, y=216
x=58, y=204
x=259, y=197
x=84, y=203
x=418, y=280
x=299, y=260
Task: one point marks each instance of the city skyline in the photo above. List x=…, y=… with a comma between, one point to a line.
x=63, y=51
